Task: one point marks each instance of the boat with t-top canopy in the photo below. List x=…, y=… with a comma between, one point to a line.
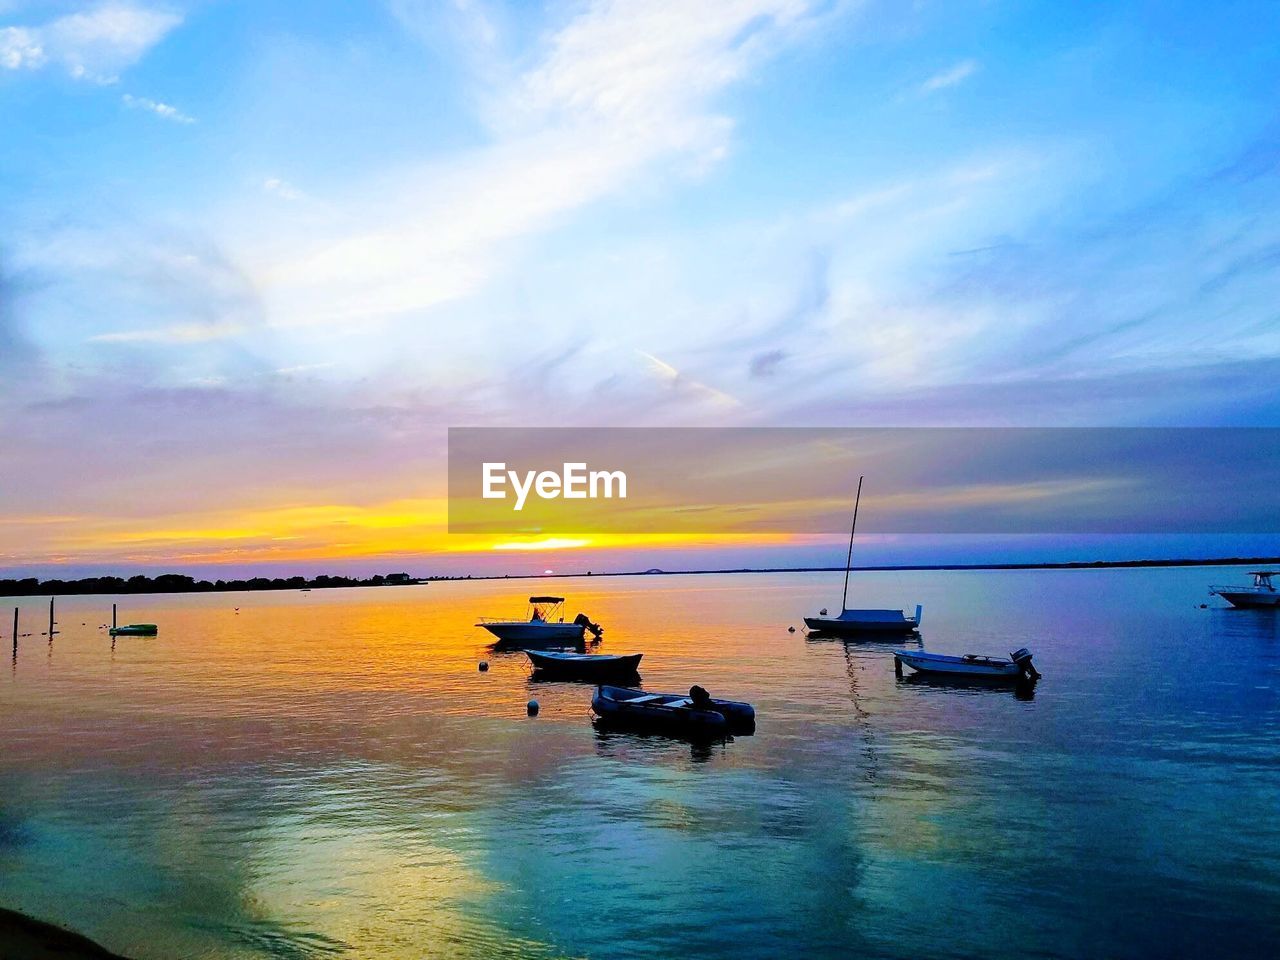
x=544, y=623
x=1261, y=594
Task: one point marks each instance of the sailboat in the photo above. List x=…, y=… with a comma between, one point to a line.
x=861, y=622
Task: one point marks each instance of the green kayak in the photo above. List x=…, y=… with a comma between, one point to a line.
x=135, y=630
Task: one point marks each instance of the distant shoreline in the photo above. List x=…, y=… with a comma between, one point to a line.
x=1042, y=565
x=174, y=583
x=181, y=583
x=23, y=936
x=923, y=567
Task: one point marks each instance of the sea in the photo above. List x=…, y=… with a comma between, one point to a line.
x=330, y=774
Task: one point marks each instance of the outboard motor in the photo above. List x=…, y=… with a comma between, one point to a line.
x=1023, y=659
x=583, y=620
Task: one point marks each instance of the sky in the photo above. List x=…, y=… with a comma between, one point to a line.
x=257, y=257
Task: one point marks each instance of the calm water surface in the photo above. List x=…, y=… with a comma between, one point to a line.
x=327, y=774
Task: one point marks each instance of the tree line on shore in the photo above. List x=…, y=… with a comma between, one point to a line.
x=180, y=583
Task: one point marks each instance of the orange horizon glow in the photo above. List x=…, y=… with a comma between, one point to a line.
x=404, y=528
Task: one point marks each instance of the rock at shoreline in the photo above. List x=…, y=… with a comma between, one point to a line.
x=23, y=938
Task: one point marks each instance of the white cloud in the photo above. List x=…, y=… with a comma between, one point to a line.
x=951, y=77
x=164, y=110
x=638, y=64
x=281, y=188
x=20, y=48
x=466, y=27
x=305, y=368
x=166, y=289
x=624, y=87
x=177, y=333
x=681, y=383
x=94, y=44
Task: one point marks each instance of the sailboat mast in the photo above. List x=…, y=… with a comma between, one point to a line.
x=848, y=562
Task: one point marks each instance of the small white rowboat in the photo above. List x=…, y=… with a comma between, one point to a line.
x=969, y=666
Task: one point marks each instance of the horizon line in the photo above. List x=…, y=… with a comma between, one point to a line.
x=310, y=582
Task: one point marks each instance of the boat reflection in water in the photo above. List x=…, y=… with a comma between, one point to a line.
x=1022, y=688
x=615, y=743
x=1231, y=625
x=866, y=637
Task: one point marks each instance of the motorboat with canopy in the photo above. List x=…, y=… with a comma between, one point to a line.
x=544, y=623
x=1261, y=594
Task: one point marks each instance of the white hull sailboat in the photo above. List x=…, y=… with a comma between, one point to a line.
x=854, y=622
x=866, y=622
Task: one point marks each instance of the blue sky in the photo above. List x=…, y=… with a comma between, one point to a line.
x=256, y=257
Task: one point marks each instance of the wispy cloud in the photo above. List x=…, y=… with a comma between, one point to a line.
x=619, y=89
x=281, y=188
x=165, y=110
x=93, y=44
x=679, y=383
x=21, y=48
x=130, y=285
x=950, y=77
x=469, y=30
x=177, y=333
x=14, y=349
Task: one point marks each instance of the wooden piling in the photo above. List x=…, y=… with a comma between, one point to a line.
x=51, y=619
x=113, y=616
x=15, y=633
